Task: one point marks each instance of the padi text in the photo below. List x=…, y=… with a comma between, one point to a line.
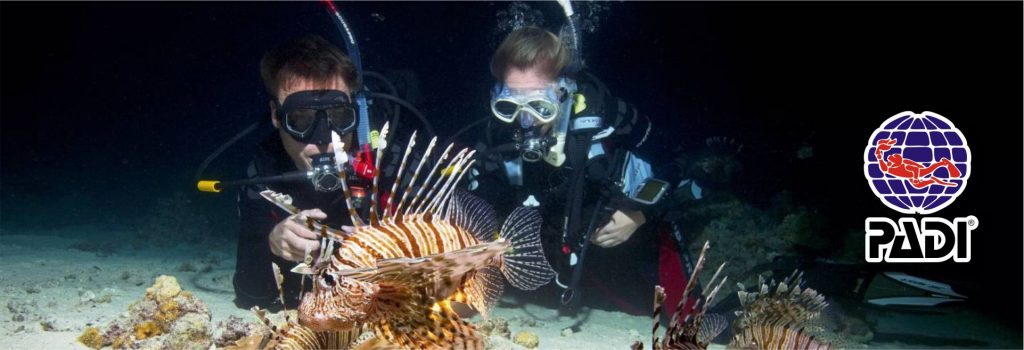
x=934, y=240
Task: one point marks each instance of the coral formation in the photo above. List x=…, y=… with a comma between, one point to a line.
x=527, y=339
x=92, y=338
x=233, y=329
x=166, y=318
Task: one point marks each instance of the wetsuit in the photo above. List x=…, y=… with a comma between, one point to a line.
x=254, y=278
x=633, y=265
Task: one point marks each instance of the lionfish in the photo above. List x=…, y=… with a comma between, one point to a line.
x=400, y=273
x=776, y=316
x=772, y=318
x=688, y=330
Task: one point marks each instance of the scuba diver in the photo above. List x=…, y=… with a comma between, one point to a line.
x=311, y=82
x=319, y=99
x=559, y=141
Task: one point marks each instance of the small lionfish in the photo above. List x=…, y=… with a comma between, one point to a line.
x=696, y=329
x=399, y=274
x=772, y=318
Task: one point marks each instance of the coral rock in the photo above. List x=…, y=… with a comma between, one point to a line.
x=527, y=339
x=146, y=329
x=166, y=318
x=191, y=331
x=92, y=338
x=166, y=287
x=232, y=330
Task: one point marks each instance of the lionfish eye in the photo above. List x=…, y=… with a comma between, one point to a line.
x=329, y=279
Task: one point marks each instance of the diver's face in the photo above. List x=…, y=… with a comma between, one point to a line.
x=302, y=153
x=529, y=79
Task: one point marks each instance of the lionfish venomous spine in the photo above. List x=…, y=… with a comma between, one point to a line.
x=436, y=244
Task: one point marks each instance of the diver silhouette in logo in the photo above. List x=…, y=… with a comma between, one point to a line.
x=918, y=174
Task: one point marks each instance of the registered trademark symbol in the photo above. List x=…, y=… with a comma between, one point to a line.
x=972, y=223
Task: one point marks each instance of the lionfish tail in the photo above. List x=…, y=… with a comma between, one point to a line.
x=525, y=266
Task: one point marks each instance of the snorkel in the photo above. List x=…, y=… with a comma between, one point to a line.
x=570, y=30
x=363, y=161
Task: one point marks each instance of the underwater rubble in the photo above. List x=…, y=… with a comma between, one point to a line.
x=167, y=317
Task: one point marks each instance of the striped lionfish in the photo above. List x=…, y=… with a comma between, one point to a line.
x=688, y=330
x=399, y=274
x=772, y=318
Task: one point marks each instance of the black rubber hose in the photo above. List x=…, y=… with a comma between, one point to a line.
x=403, y=103
x=215, y=154
x=467, y=128
x=387, y=83
x=396, y=110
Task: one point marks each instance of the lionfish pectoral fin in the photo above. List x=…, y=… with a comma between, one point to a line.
x=436, y=327
x=474, y=215
x=437, y=268
x=525, y=266
x=484, y=289
x=710, y=327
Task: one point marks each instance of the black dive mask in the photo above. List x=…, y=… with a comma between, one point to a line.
x=310, y=116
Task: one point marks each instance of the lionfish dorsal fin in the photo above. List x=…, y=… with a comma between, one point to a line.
x=659, y=300
x=418, y=199
x=677, y=317
x=382, y=144
x=388, y=213
x=415, y=176
x=457, y=174
x=341, y=159
x=428, y=201
x=452, y=172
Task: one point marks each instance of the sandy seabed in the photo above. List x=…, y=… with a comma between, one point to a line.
x=57, y=282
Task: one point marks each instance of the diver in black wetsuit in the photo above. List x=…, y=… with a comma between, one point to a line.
x=562, y=143
x=312, y=84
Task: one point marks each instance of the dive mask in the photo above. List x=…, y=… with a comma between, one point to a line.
x=310, y=116
x=529, y=106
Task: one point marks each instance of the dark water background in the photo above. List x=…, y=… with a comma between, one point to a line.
x=107, y=108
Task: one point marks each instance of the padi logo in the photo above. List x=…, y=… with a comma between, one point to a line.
x=917, y=164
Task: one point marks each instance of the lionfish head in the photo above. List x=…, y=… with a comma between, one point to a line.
x=336, y=302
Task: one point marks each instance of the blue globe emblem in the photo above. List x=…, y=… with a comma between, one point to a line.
x=917, y=163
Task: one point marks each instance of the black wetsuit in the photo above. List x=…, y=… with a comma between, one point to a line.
x=633, y=264
x=254, y=278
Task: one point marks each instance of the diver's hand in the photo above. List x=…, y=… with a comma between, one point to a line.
x=290, y=237
x=619, y=228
